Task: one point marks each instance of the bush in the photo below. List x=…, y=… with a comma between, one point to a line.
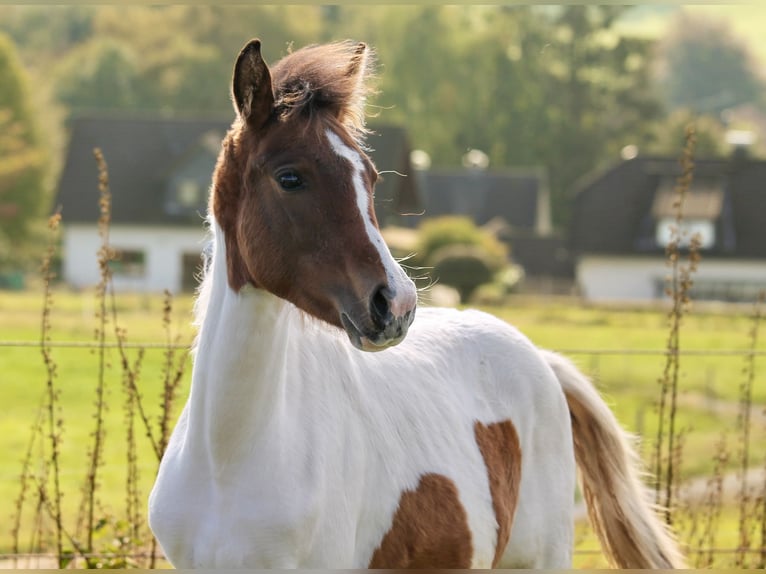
x=506, y=281
x=463, y=267
x=440, y=232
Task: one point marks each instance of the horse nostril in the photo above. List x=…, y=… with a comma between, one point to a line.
x=380, y=310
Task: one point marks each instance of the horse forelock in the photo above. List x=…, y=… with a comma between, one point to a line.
x=335, y=77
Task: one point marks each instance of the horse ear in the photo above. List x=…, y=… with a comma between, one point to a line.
x=251, y=85
x=357, y=67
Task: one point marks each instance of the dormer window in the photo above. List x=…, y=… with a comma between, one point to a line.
x=701, y=210
x=188, y=193
x=704, y=228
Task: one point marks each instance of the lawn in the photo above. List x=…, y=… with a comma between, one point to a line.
x=590, y=334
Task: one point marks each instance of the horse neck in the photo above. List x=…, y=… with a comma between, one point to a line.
x=239, y=367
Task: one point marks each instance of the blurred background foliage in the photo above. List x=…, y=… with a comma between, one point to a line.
x=562, y=87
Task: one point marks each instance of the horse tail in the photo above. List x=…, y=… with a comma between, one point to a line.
x=620, y=509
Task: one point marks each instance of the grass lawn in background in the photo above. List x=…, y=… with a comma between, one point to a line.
x=708, y=400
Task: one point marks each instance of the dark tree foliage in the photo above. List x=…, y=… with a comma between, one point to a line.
x=704, y=68
x=551, y=86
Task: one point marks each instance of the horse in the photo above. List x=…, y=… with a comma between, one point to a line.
x=325, y=426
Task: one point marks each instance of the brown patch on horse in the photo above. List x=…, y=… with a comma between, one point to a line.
x=429, y=530
x=499, y=445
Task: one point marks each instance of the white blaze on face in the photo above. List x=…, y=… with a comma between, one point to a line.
x=403, y=288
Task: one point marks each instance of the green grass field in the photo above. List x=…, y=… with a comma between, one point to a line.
x=708, y=399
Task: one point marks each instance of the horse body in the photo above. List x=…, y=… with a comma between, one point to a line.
x=293, y=440
x=454, y=447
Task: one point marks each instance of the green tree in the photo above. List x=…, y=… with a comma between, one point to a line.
x=99, y=74
x=46, y=30
x=599, y=96
x=551, y=86
x=703, y=67
x=175, y=58
x=423, y=80
x=22, y=173
x=670, y=135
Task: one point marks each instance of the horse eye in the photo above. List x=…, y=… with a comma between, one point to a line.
x=289, y=180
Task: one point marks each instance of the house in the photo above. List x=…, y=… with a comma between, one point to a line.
x=622, y=220
x=514, y=203
x=159, y=176
x=519, y=197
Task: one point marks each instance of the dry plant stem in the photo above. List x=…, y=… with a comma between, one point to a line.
x=712, y=505
x=53, y=408
x=26, y=476
x=131, y=377
x=744, y=419
x=44, y=503
x=680, y=284
x=132, y=492
x=167, y=388
x=104, y=257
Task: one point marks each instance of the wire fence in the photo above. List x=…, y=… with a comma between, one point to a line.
x=596, y=362
x=564, y=351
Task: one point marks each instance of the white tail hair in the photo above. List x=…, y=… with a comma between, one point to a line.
x=619, y=505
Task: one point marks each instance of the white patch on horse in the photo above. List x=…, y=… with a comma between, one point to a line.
x=399, y=282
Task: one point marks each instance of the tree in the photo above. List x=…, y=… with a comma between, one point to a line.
x=548, y=86
x=703, y=67
x=670, y=135
x=423, y=84
x=599, y=96
x=551, y=86
x=175, y=58
x=22, y=171
x=101, y=73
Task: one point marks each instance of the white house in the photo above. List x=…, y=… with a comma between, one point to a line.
x=159, y=176
x=149, y=258
x=622, y=220
x=160, y=172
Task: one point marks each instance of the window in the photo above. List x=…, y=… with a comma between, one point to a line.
x=188, y=195
x=702, y=208
x=689, y=227
x=128, y=263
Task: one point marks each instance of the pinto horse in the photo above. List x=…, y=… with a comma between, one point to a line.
x=455, y=447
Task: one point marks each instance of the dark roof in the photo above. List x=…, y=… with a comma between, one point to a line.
x=616, y=211
x=484, y=195
x=138, y=150
x=148, y=154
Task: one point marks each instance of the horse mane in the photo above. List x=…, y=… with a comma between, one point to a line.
x=333, y=76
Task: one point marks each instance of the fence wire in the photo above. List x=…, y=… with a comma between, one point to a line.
x=564, y=351
x=49, y=560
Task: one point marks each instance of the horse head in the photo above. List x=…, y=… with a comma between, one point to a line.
x=293, y=193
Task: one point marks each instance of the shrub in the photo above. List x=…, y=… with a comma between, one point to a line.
x=441, y=232
x=463, y=267
x=506, y=281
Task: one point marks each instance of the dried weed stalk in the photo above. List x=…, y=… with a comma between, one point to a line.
x=679, y=287
x=105, y=256
x=747, y=506
x=53, y=406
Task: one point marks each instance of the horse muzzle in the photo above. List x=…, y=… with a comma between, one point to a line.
x=386, y=321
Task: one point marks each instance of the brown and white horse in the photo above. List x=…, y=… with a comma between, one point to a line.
x=453, y=448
